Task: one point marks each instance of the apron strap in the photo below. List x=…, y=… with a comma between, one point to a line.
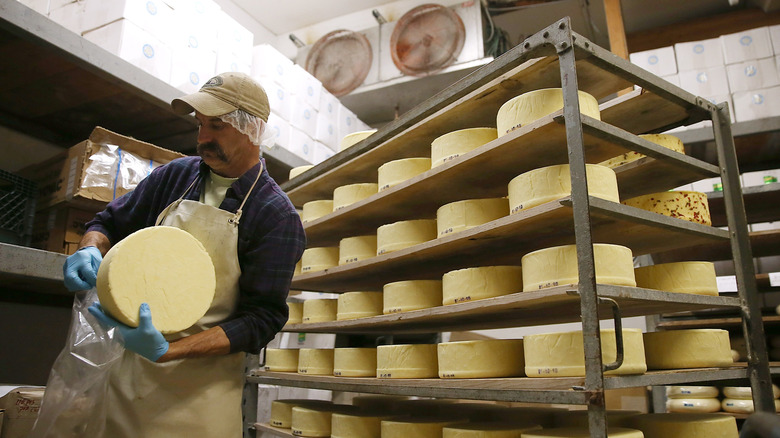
x=235, y=219
x=173, y=205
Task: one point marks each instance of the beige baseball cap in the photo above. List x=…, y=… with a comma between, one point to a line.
x=225, y=93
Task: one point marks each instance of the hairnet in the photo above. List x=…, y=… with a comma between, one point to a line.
x=249, y=125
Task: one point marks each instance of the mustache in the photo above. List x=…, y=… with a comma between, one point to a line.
x=214, y=147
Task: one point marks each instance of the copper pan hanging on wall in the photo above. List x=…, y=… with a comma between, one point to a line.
x=340, y=60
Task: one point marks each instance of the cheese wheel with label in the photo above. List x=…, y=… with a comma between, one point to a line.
x=165, y=267
x=347, y=195
x=696, y=348
x=356, y=248
x=686, y=425
x=462, y=215
x=551, y=183
x=407, y=295
x=682, y=277
x=319, y=310
x=295, y=171
x=742, y=406
x=403, y=234
x=745, y=392
x=395, y=172
x=354, y=138
x=665, y=140
x=693, y=405
x=357, y=425
x=471, y=284
x=354, y=362
x=317, y=361
x=492, y=429
x=414, y=427
x=555, y=266
x=281, y=359
x=406, y=361
x=481, y=359
x=692, y=391
x=563, y=354
x=689, y=206
x=316, y=209
x=281, y=410
x=529, y=107
x=319, y=259
x=295, y=312
x=315, y=420
x=353, y=305
x=582, y=432
x=456, y=143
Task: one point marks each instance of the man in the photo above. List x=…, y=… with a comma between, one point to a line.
x=191, y=384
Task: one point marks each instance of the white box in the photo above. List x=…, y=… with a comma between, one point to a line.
x=280, y=129
x=327, y=131
x=136, y=46
x=321, y=152
x=204, y=9
x=705, y=82
x=746, y=45
x=765, y=226
x=752, y=75
x=267, y=62
x=153, y=16
x=471, y=15
x=329, y=104
x=229, y=61
x=774, y=36
x=346, y=123
x=39, y=6
x=672, y=79
x=660, y=62
x=697, y=55
x=279, y=99
x=301, y=145
x=757, y=104
x=761, y=177
x=304, y=117
x=191, y=68
x=231, y=35
x=305, y=86
x=717, y=99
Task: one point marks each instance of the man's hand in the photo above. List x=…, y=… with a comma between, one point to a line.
x=144, y=339
x=81, y=268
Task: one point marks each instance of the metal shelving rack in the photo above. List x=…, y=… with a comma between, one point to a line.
x=555, y=56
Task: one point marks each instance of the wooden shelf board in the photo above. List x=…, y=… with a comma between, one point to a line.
x=711, y=322
x=762, y=243
x=762, y=204
x=276, y=431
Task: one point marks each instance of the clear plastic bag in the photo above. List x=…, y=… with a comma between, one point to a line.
x=112, y=171
x=74, y=403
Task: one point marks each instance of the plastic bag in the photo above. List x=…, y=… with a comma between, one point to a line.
x=74, y=403
x=113, y=172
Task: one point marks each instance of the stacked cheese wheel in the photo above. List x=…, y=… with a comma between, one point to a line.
x=407, y=295
x=739, y=399
x=692, y=399
x=295, y=312
x=319, y=259
x=685, y=425
x=314, y=210
x=319, y=310
x=682, y=349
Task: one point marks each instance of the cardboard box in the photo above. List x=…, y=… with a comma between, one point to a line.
x=60, y=178
x=280, y=129
x=83, y=16
x=705, y=82
x=229, y=61
x=756, y=104
x=60, y=228
x=234, y=37
x=329, y=105
x=660, y=62
x=321, y=152
x=697, y=55
x=747, y=45
x=279, y=99
x=21, y=407
x=327, y=131
x=753, y=75
x=305, y=87
x=267, y=62
x=304, y=116
x=301, y=145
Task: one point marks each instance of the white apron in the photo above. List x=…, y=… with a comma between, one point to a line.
x=198, y=397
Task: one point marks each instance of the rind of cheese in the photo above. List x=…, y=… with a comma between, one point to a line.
x=689, y=206
x=551, y=183
x=481, y=359
x=312, y=421
x=745, y=392
x=582, y=432
x=281, y=410
x=165, y=267
x=281, y=359
x=529, y=107
x=682, y=277
x=295, y=171
x=414, y=427
x=742, y=406
x=462, y=215
x=505, y=429
x=397, y=171
x=295, y=312
x=407, y=295
x=557, y=265
x=356, y=248
x=686, y=425
x=319, y=310
x=317, y=361
x=579, y=418
x=346, y=195
x=356, y=425
x=456, y=143
x=692, y=405
x=354, y=362
x=354, y=138
x=563, y=354
x=665, y=140
x=403, y=234
x=696, y=348
x=297, y=270
x=471, y=284
x=692, y=391
x=406, y=361
x=319, y=258
x=316, y=209
x=353, y=305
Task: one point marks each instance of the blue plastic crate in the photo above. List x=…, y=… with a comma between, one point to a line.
x=17, y=208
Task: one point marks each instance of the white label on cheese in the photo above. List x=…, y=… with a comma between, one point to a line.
x=774, y=279
x=727, y=283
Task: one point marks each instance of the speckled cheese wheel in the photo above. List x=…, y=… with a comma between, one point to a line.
x=471, y=284
x=491, y=429
x=354, y=362
x=281, y=359
x=397, y=171
x=352, y=305
x=407, y=295
x=356, y=248
x=686, y=425
x=582, y=432
x=316, y=209
x=529, y=107
x=457, y=143
x=551, y=183
x=682, y=277
x=319, y=259
x=665, y=140
x=481, y=359
x=295, y=171
x=317, y=361
x=295, y=312
x=682, y=349
x=354, y=138
x=693, y=405
x=349, y=194
x=319, y=310
x=462, y=215
x=165, y=267
x=404, y=234
x=690, y=206
x=555, y=266
x=406, y=361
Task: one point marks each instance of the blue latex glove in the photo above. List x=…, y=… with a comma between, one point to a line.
x=144, y=339
x=81, y=268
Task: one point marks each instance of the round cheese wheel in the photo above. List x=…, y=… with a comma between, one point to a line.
x=692, y=391
x=457, y=143
x=406, y=361
x=696, y=348
x=473, y=284
x=354, y=362
x=579, y=418
x=686, y=425
x=295, y=312
x=281, y=359
x=693, y=405
x=665, y=140
x=482, y=358
x=555, y=266
x=742, y=406
x=281, y=410
x=414, y=427
x=462, y=215
x=165, y=267
x=316, y=209
x=298, y=267
x=319, y=310
x=529, y=107
x=689, y=206
x=403, y=296
x=356, y=425
x=346, y=195
x=317, y=361
x=491, y=429
x=403, y=234
x=551, y=183
x=353, y=305
x=582, y=432
x=295, y=171
x=354, y=138
x=319, y=259
x=356, y=248
x=397, y=171
x=682, y=277
x=563, y=354
x=745, y=392
x=313, y=420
